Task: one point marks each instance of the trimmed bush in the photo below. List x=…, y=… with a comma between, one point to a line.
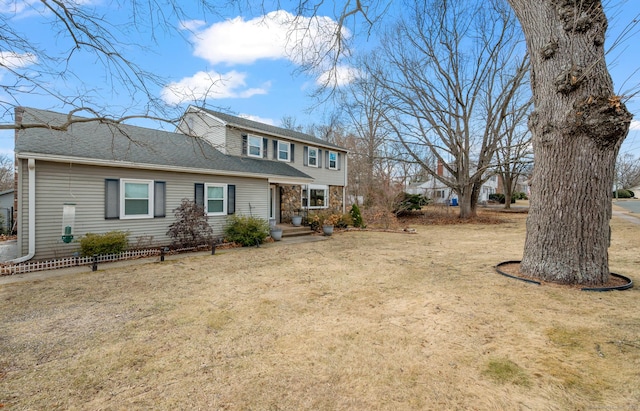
x=408, y=202
x=499, y=197
x=246, y=230
x=113, y=242
x=622, y=193
x=356, y=216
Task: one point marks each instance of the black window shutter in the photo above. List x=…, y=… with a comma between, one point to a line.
x=292, y=147
x=245, y=145
x=159, y=198
x=338, y=160
x=231, y=199
x=319, y=160
x=111, y=198
x=199, y=194
x=265, y=146
x=275, y=150
x=305, y=160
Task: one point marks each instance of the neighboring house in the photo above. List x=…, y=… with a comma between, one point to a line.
x=439, y=193
x=98, y=177
x=6, y=210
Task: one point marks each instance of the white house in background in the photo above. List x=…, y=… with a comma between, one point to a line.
x=439, y=193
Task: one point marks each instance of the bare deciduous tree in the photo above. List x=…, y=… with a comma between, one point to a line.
x=627, y=171
x=448, y=76
x=365, y=110
x=6, y=173
x=514, y=154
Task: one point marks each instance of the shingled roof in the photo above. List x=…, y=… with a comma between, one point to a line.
x=243, y=123
x=126, y=144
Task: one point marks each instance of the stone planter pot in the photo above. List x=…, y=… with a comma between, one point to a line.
x=327, y=229
x=296, y=220
x=276, y=234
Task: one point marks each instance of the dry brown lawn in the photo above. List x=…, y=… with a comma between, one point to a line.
x=363, y=321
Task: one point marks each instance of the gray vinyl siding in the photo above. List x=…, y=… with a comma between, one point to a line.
x=58, y=183
x=201, y=124
x=321, y=175
x=234, y=141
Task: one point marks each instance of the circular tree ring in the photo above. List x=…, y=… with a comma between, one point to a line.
x=626, y=286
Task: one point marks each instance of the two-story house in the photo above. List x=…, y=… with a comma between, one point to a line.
x=323, y=162
x=95, y=177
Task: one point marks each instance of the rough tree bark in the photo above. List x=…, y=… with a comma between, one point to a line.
x=578, y=126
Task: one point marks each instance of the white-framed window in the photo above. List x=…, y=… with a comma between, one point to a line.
x=254, y=146
x=284, y=151
x=315, y=196
x=136, y=200
x=215, y=199
x=312, y=157
x=333, y=160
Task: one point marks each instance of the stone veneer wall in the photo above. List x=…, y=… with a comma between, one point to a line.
x=291, y=201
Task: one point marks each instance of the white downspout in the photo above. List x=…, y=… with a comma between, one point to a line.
x=32, y=213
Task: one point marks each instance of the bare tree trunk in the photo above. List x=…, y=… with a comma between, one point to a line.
x=507, y=185
x=577, y=127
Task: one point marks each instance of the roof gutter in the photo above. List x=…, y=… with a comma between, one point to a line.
x=32, y=213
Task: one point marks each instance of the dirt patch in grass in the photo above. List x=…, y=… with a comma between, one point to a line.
x=362, y=321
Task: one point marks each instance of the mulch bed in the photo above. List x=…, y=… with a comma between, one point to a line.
x=514, y=270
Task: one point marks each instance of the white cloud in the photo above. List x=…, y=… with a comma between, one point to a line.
x=338, y=76
x=276, y=35
x=259, y=119
x=191, y=25
x=210, y=85
x=12, y=60
x=635, y=125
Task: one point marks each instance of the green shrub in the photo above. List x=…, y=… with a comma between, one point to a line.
x=408, y=202
x=499, y=197
x=356, y=216
x=113, y=242
x=622, y=193
x=521, y=196
x=246, y=230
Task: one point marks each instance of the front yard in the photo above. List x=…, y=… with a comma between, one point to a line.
x=363, y=321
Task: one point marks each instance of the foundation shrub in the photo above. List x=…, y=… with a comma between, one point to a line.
x=113, y=242
x=246, y=230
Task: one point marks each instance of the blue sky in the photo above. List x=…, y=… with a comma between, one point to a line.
x=244, y=61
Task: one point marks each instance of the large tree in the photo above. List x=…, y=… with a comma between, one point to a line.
x=578, y=126
x=449, y=75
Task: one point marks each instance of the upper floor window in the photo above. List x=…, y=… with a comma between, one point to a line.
x=333, y=160
x=254, y=146
x=284, y=151
x=312, y=157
